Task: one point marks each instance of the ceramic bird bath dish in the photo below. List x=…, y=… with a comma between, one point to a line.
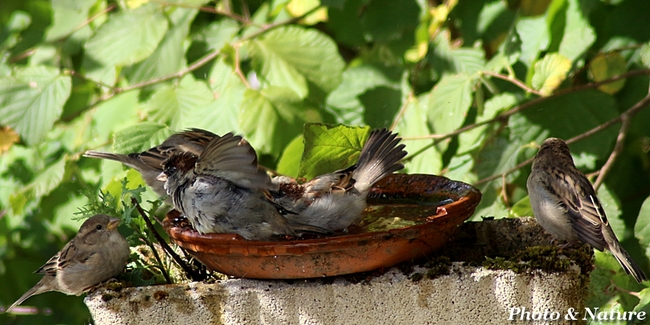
x=408, y=216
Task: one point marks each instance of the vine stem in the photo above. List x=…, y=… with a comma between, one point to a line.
x=163, y=244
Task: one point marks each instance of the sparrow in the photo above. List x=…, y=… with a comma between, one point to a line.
x=97, y=253
x=149, y=163
x=565, y=204
x=334, y=201
x=223, y=190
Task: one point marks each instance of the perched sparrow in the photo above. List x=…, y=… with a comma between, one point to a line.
x=335, y=201
x=565, y=204
x=149, y=163
x=97, y=253
x=223, y=190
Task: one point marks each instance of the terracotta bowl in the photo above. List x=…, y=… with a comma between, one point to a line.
x=408, y=216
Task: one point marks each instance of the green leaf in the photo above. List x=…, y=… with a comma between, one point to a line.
x=605, y=66
x=47, y=179
x=522, y=208
x=116, y=113
x=414, y=124
x=174, y=105
x=68, y=16
x=289, y=56
x=32, y=100
x=644, y=52
x=221, y=115
x=448, y=60
x=344, y=101
x=168, y=57
x=289, y=163
x=534, y=38
x=331, y=147
x=272, y=117
x=642, y=226
x=473, y=139
x=578, y=33
x=460, y=168
x=565, y=117
x=449, y=102
x=140, y=137
x=549, y=73
x=611, y=205
x=128, y=36
x=219, y=33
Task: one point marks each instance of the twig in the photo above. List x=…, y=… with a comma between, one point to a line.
x=524, y=106
x=32, y=50
x=197, y=64
x=630, y=112
x=211, y=10
x=238, y=68
x=162, y=243
x=620, y=139
x=267, y=28
x=402, y=110
x=514, y=81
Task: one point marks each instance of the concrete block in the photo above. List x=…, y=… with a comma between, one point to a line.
x=468, y=294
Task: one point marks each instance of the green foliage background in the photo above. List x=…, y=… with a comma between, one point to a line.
x=472, y=86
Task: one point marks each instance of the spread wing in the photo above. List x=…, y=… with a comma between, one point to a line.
x=192, y=140
x=232, y=158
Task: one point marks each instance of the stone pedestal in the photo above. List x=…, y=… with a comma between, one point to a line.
x=456, y=291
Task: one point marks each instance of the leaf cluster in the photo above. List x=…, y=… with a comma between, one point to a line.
x=473, y=87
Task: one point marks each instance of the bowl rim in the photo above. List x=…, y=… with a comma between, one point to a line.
x=191, y=239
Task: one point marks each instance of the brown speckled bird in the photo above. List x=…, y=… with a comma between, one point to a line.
x=565, y=204
x=334, y=201
x=223, y=190
x=149, y=163
x=97, y=253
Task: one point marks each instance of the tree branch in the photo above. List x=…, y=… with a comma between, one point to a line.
x=514, y=81
x=624, y=116
x=620, y=139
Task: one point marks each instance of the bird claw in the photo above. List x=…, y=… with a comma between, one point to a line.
x=101, y=284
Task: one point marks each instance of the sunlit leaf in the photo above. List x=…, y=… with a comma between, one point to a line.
x=290, y=56
x=289, y=163
x=7, y=138
x=32, y=100
x=522, y=208
x=534, y=38
x=642, y=226
x=331, y=147
x=168, y=57
x=605, y=66
x=344, y=101
x=449, y=102
x=414, y=124
x=128, y=37
x=550, y=71
x=175, y=105
x=298, y=8
x=140, y=137
x=271, y=118
x=578, y=33
x=68, y=15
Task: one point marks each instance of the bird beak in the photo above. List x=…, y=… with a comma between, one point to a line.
x=162, y=177
x=112, y=224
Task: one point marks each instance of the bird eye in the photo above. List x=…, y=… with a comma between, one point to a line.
x=170, y=170
x=98, y=227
